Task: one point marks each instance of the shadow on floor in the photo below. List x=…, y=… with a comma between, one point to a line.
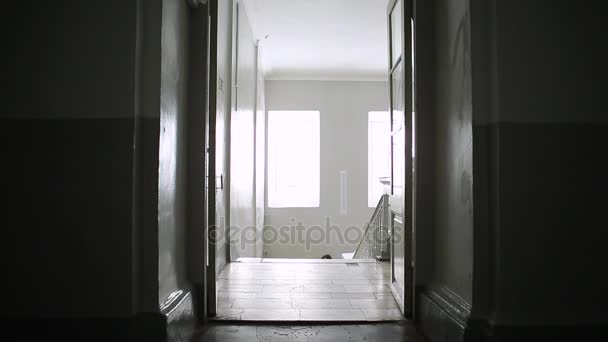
x=373, y=332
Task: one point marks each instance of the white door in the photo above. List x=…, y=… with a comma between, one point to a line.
x=400, y=200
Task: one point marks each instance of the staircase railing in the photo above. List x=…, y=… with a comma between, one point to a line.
x=374, y=243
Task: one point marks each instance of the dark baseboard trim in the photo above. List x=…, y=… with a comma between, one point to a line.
x=442, y=315
x=199, y=302
x=176, y=319
x=140, y=327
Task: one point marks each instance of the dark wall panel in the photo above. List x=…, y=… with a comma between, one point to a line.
x=552, y=180
x=67, y=120
x=67, y=216
x=69, y=58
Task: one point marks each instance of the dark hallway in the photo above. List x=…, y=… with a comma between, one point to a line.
x=121, y=193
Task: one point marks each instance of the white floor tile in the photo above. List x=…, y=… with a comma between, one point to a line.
x=318, y=295
x=270, y=315
x=262, y=303
x=363, y=295
x=331, y=315
x=384, y=303
x=305, y=290
x=316, y=303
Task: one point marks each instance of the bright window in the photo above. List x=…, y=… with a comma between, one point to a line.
x=293, y=159
x=378, y=154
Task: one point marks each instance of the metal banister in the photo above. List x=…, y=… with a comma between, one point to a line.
x=374, y=242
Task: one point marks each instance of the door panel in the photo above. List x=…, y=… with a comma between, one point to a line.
x=222, y=124
x=398, y=133
x=398, y=255
x=210, y=169
x=196, y=158
x=220, y=69
x=398, y=182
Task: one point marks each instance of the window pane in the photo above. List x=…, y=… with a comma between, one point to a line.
x=378, y=154
x=396, y=35
x=293, y=159
x=398, y=130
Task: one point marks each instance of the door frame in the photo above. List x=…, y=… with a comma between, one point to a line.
x=215, y=182
x=196, y=162
x=403, y=205
x=210, y=165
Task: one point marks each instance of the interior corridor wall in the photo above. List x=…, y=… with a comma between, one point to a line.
x=242, y=143
x=453, y=211
x=67, y=161
x=343, y=107
x=172, y=270
x=549, y=126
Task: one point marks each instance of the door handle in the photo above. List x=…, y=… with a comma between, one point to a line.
x=221, y=182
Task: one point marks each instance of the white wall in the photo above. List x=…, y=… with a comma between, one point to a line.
x=343, y=108
x=260, y=154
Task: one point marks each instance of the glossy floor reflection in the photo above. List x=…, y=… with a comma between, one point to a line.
x=306, y=290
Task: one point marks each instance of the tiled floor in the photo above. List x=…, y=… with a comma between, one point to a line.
x=306, y=290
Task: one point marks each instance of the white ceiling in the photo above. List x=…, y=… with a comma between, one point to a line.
x=321, y=39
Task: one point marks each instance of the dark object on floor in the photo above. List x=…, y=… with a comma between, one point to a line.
x=326, y=256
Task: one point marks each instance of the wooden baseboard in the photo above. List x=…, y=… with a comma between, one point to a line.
x=442, y=315
x=176, y=319
x=180, y=315
x=445, y=317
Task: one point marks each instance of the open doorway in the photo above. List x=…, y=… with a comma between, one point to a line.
x=313, y=189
